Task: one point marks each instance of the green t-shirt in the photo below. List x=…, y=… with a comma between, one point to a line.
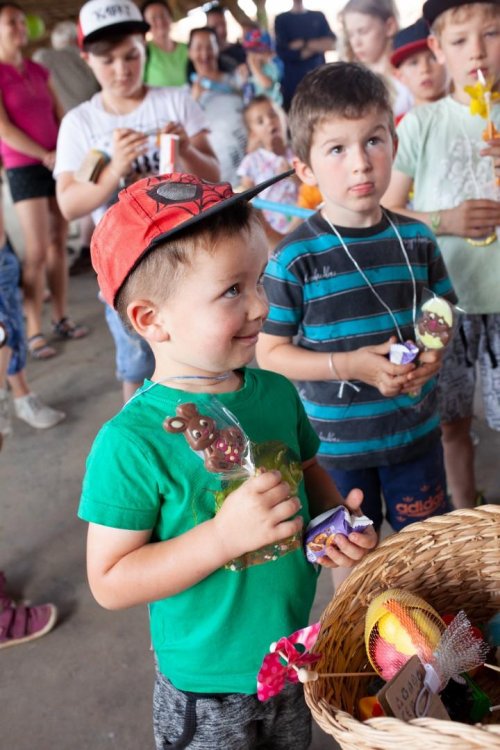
x=166, y=68
x=213, y=636
x=439, y=147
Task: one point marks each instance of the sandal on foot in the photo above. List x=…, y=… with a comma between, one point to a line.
x=38, y=347
x=66, y=329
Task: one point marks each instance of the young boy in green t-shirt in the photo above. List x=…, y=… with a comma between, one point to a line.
x=218, y=558
x=441, y=151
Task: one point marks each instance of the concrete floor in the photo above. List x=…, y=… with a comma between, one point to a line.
x=87, y=685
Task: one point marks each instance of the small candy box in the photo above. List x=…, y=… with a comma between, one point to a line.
x=169, y=152
x=320, y=532
x=403, y=354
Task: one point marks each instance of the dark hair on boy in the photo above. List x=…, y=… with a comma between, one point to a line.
x=347, y=90
x=102, y=47
x=156, y=274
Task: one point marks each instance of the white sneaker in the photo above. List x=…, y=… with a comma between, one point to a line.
x=5, y=422
x=37, y=414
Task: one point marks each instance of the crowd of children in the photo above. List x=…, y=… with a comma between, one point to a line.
x=196, y=284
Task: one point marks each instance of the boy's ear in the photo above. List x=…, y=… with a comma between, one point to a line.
x=304, y=171
x=435, y=48
x=146, y=320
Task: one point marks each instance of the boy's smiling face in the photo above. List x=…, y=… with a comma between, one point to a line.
x=469, y=42
x=212, y=320
x=350, y=161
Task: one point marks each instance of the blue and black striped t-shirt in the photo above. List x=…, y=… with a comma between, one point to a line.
x=317, y=295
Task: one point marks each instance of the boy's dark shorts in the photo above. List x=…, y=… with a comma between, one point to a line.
x=229, y=721
x=412, y=491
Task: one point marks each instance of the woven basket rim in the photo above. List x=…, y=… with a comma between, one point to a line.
x=431, y=538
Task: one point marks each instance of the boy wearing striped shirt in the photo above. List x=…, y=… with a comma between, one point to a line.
x=342, y=288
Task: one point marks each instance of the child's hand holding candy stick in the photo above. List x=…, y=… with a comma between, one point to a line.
x=433, y=332
x=429, y=364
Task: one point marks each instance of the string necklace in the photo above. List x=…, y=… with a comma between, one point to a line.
x=189, y=379
x=367, y=280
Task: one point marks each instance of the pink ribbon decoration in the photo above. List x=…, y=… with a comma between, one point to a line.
x=284, y=661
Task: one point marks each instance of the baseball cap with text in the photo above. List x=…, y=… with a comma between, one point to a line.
x=99, y=19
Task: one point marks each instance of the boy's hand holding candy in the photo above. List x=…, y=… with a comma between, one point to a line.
x=371, y=365
x=346, y=551
x=434, y=329
x=429, y=364
x=127, y=146
x=258, y=513
x=175, y=128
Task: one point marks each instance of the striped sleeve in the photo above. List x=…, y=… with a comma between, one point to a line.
x=285, y=294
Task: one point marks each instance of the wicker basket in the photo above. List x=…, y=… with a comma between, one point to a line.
x=453, y=562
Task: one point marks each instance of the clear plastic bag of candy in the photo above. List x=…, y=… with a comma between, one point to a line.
x=215, y=435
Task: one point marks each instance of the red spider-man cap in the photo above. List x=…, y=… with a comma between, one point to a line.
x=151, y=211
